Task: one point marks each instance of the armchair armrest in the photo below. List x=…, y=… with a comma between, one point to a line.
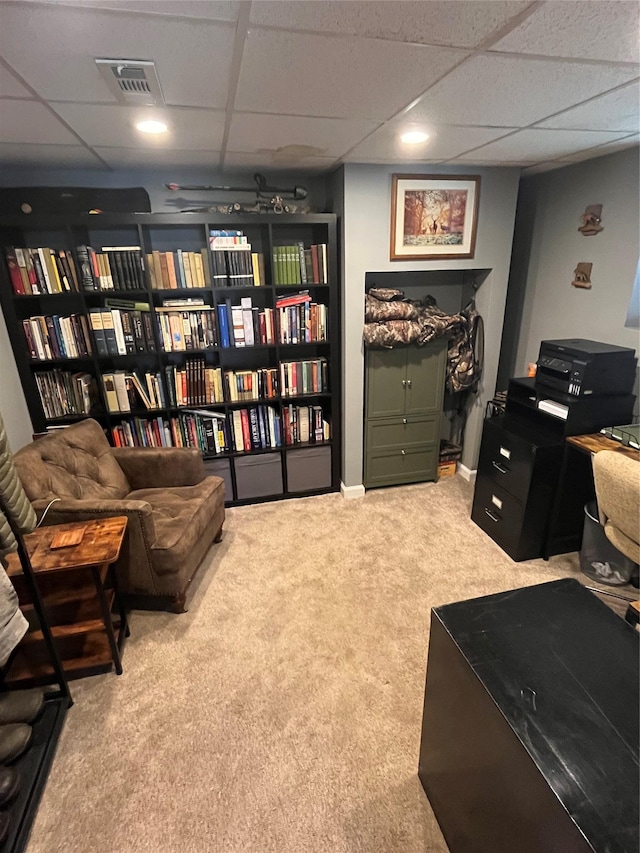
x=68, y=509
x=160, y=467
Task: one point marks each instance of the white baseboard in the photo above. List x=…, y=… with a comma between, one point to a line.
x=467, y=474
x=350, y=492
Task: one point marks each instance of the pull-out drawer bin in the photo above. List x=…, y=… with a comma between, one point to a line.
x=258, y=476
x=221, y=468
x=308, y=468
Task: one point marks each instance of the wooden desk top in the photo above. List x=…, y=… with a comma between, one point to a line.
x=100, y=544
x=597, y=441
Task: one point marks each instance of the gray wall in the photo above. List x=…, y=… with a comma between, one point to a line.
x=552, y=307
x=366, y=232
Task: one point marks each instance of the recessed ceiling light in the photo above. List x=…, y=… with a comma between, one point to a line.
x=414, y=136
x=150, y=126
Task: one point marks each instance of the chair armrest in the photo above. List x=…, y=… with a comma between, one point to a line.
x=68, y=509
x=160, y=467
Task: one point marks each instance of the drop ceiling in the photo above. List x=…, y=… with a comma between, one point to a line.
x=307, y=86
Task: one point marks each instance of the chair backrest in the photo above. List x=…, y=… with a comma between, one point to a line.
x=617, y=482
x=13, y=499
x=75, y=462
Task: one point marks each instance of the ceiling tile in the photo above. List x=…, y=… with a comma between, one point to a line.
x=72, y=156
x=457, y=24
x=619, y=110
x=501, y=91
x=540, y=144
x=443, y=143
x=10, y=86
x=601, y=150
x=214, y=10
x=66, y=71
x=30, y=121
x=307, y=74
x=113, y=126
x=121, y=158
x=541, y=167
x=251, y=132
x=587, y=29
x=503, y=164
x=265, y=160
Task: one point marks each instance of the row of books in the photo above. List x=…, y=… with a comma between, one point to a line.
x=126, y=391
x=111, y=268
x=64, y=393
x=41, y=270
x=142, y=432
x=188, y=328
x=194, y=384
x=253, y=428
x=178, y=270
x=305, y=322
x=122, y=331
x=57, y=336
x=304, y=424
x=306, y=376
x=295, y=264
x=233, y=262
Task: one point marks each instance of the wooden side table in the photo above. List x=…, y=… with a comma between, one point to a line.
x=79, y=591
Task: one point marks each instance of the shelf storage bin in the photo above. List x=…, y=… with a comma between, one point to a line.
x=221, y=468
x=259, y=476
x=309, y=468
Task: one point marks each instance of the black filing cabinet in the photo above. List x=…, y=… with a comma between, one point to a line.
x=519, y=467
x=516, y=480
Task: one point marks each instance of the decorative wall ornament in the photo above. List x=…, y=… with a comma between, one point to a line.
x=433, y=216
x=591, y=219
x=582, y=275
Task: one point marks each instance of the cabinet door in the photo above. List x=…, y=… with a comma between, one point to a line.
x=425, y=378
x=386, y=382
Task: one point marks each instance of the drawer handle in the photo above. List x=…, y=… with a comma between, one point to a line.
x=500, y=467
x=402, y=452
x=404, y=420
x=492, y=515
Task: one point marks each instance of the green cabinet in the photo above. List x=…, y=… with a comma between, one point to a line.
x=404, y=394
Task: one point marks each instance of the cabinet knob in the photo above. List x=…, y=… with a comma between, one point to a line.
x=408, y=383
x=402, y=451
x=404, y=420
x=404, y=383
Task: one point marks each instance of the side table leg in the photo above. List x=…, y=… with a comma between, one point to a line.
x=106, y=618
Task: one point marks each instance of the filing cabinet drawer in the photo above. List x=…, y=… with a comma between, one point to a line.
x=401, y=433
x=499, y=514
x=507, y=459
x=406, y=465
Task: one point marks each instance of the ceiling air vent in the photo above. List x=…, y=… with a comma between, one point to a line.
x=132, y=81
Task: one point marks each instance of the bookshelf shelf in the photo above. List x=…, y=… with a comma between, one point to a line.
x=286, y=253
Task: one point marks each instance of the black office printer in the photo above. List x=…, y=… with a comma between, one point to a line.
x=580, y=368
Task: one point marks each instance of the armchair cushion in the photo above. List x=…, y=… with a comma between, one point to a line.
x=155, y=467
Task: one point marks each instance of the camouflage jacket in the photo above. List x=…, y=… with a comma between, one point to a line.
x=391, y=320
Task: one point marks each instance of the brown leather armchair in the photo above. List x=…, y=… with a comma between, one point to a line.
x=174, y=511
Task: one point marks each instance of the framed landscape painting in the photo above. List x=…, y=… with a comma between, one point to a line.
x=433, y=216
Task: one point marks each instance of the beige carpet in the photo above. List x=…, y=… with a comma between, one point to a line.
x=282, y=713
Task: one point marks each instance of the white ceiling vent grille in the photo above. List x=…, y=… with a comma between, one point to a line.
x=132, y=81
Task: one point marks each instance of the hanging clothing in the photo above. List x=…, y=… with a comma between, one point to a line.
x=13, y=625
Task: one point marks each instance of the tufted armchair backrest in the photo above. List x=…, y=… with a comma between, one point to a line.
x=75, y=462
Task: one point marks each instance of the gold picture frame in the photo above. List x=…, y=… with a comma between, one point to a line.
x=434, y=217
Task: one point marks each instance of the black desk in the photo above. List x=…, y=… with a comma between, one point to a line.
x=530, y=725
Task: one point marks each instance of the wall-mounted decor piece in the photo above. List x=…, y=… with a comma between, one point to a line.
x=433, y=216
x=591, y=220
x=582, y=275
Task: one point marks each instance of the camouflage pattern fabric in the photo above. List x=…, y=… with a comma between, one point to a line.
x=392, y=321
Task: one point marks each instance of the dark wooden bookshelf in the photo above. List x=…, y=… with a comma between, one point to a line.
x=189, y=232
